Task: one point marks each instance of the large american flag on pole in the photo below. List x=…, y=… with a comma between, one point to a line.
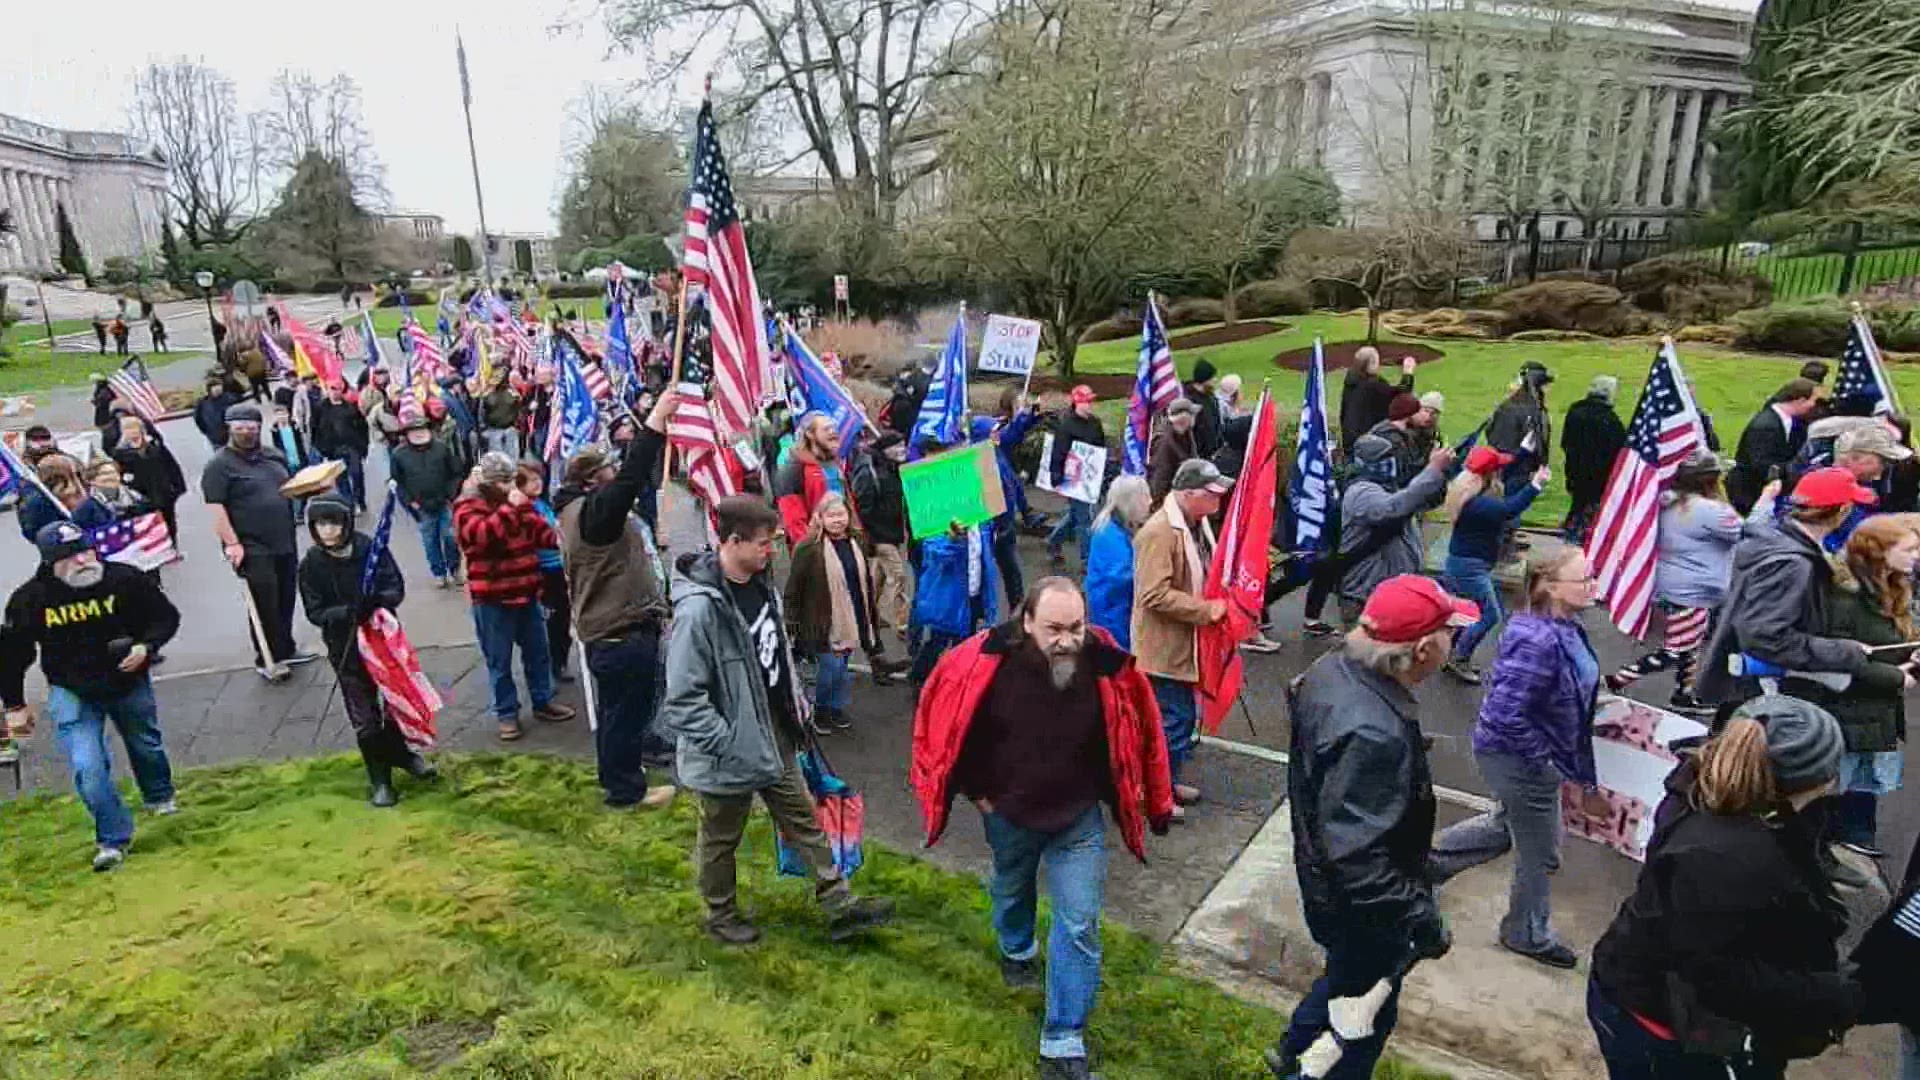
x=140, y=541
x=691, y=427
x=132, y=384
x=1154, y=388
x=717, y=267
x=1665, y=429
x=427, y=357
x=1863, y=373
x=389, y=657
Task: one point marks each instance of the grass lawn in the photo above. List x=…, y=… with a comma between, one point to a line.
x=388, y=320
x=1476, y=375
x=34, y=368
x=33, y=330
x=504, y=925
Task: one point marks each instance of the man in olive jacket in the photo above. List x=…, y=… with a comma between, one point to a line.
x=732, y=702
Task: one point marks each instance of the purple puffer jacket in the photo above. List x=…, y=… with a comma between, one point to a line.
x=1536, y=705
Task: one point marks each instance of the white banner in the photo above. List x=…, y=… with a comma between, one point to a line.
x=1086, y=469
x=1630, y=755
x=1010, y=345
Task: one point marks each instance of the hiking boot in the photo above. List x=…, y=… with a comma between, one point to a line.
x=553, y=712
x=1463, y=671
x=1316, y=628
x=380, y=791
x=862, y=913
x=1019, y=974
x=732, y=929
x=420, y=768
x=1073, y=1068
x=1554, y=955
x=107, y=858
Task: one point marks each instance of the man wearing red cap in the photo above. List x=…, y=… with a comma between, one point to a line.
x=1778, y=596
x=1077, y=424
x=1360, y=795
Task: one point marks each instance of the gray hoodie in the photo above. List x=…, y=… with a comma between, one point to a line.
x=1369, y=507
x=716, y=701
x=1778, y=595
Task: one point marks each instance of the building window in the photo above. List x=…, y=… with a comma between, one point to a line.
x=1560, y=229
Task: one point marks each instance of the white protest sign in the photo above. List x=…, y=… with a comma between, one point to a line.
x=1009, y=345
x=1631, y=759
x=1085, y=468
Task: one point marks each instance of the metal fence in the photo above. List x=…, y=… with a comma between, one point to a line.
x=1841, y=262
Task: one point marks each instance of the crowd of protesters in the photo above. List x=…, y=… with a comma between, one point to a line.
x=1786, y=611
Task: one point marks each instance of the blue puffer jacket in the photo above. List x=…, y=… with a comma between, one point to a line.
x=1110, y=582
x=940, y=600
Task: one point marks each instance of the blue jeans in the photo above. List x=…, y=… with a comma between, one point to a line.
x=832, y=685
x=1179, y=711
x=1472, y=579
x=1354, y=966
x=436, y=535
x=1078, y=520
x=1909, y=1055
x=624, y=673
x=1633, y=1053
x=500, y=628
x=353, y=482
x=80, y=727
x=1076, y=865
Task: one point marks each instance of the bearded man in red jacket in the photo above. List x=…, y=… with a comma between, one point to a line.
x=1040, y=722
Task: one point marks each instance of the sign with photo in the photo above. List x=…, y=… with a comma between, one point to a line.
x=1632, y=759
x=1085, y=471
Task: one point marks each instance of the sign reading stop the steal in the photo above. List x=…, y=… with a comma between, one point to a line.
x=1010, y=345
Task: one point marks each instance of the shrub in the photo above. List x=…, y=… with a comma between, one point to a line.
x=1708, y=334
x=1262, y=299
x=1554, y=335
x=867, y=349
x=1709, y=301
x=1571, y=305
x=1194, y=311
x=1655, y=284
x=413, y=297
x=1818, y=328
x=119, y=270
x=1120, y=326
x=1591, y=277
x=575, y=290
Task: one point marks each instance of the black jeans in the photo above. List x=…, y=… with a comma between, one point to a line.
x=1006, y=556
x=377, y=735
x=1634, y=1053
x=272, y=580
x=624, y=672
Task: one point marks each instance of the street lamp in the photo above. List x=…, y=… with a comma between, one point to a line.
x=204, y=279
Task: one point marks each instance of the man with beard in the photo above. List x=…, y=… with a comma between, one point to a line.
x=812, y=472
x=330, y=577
x=94, y=626
x=1404, y=429
x=1039, y=721
x=241, y=486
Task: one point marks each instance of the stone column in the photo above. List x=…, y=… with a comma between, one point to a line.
x=1636, y=146
x=16, y=247
x=1716, y=105
x=40, y=221
x=1664, y=108
x=1688, y=162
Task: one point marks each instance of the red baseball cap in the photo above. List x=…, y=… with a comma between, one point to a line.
x=1482, y=460
x=1083, y=394
x=1411, y=606
x=1832, y=487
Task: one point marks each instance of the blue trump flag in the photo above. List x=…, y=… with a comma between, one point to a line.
x=1310, y=483
x=943, y=413
x=620, y=354
x=813, y=389
x=581, y=422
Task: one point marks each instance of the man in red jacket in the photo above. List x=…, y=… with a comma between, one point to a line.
x=501, y=534
x=812, y=472
x=1039, y=721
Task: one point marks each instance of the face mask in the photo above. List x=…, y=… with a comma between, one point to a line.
x=84, y=577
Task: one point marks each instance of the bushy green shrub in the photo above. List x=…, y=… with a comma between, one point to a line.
x=413, y=297
x=575, y=290
x=1819, y=327
x=1571, y=305
x=1279, y=296
x=1193, y=311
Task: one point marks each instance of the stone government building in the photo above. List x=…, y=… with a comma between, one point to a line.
x=114, y=192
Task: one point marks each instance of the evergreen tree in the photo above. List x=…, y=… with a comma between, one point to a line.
x=463, y=255
x=170, y=255
x=1757, y=142
x=72, y=259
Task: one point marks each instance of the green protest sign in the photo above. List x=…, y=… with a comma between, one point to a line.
x=959, y=485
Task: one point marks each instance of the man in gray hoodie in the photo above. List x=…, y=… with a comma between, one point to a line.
x=732, y=702
x=1380, y=526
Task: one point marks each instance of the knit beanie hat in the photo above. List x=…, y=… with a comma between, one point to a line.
x=1402, y=406
x=1803, y=740
x=1203, y=370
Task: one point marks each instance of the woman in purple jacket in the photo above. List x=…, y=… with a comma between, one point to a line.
x=1535, y=729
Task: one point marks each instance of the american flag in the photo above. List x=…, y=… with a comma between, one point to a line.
x=1155, y=388
x=597, y=383
x=132, y=384
x=1665, y=429
x=691, y=428
x=141, y=542
x=389, y=657
x=427, y=357
x=717, y=267
x=1863, y=374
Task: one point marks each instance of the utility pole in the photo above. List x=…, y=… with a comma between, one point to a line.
x=473, y=156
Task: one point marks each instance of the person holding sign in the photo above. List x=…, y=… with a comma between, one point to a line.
x=954, y=594
x=1077, y=424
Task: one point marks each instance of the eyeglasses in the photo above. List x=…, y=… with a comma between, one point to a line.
x=1588, y=580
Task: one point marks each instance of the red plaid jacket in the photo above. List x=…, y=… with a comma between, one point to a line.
x=501, y=542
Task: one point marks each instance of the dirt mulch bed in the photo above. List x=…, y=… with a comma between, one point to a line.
x=1106, y=386
x=1221, y=335
x=1339, y=354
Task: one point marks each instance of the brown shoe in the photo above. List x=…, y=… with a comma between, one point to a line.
x=510, y=730
x=553, y=712
x=732, y=929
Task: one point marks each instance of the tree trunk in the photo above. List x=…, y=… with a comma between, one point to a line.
x=1064, y=347
x=1227, y=312
x=1373, y=321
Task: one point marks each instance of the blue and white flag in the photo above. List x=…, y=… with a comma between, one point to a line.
x=1310, y=483
x=619, y=363
x=813, y=388
x=382, y=537
x=372, y=339
x=943, y=415
x=1863, y=374
x=580, y=420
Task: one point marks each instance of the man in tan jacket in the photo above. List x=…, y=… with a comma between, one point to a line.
x=1171, y=555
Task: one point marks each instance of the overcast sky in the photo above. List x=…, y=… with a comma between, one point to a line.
x=71, y=64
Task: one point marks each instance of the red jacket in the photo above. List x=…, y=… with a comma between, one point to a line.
x=502, y=545
x=798, y=488
x=1136, y=748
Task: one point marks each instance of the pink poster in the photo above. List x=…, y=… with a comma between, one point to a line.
x=1630, y=740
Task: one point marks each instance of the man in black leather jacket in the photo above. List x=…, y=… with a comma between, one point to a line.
x=1360, y=794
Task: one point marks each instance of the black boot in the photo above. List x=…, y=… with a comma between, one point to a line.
x=380, y=792
x=419, y=768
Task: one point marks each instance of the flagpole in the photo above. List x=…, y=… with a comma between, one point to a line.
x=473, y=157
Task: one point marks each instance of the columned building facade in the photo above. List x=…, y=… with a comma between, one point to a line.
x=113, y=190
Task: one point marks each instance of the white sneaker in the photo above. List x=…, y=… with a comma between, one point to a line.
x=166, y=809
x=107, y=858
x=1260, y=643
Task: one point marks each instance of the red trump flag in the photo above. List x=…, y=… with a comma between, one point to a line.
x=1239, y=573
